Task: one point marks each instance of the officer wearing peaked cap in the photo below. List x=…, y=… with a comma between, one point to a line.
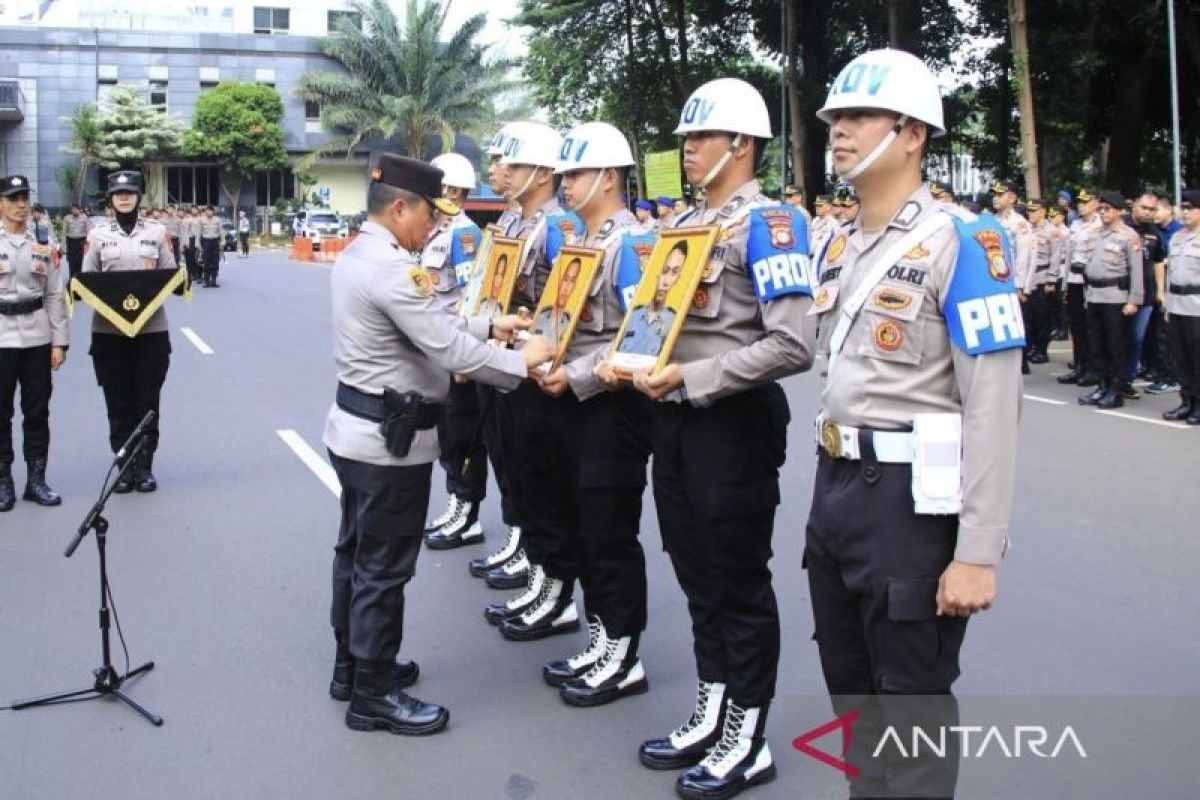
x=1081, y=240
x=1182, y=305
x=1041, y=281
x=33, y=342
x=130, y=370
x=822, y=225
x=716, y=503
x=1005, y=196
x=921, y=327
x=395, y=348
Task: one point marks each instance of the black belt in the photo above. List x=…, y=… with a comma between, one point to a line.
x=1191, y=289
x=371, y=407
x=1078, y=269
x=1108, y=283
x=1041, y=268
x=19, y=307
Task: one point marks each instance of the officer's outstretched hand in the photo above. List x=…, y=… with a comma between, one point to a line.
x=505, y=327
x=965, y=589
x=537, y=351
x=556, y=383
x=57, y=356
x=658, y=386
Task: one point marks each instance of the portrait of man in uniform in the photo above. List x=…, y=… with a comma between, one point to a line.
x=473, y=289
x=649, y=323
x=500, y=278
x=564, y=300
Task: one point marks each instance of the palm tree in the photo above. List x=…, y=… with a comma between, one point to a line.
x=85, y=143
x=403, y=87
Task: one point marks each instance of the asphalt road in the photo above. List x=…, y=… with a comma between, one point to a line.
x=222, y=577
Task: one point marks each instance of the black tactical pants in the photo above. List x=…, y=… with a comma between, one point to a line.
x=383, y=517
x=1077, y=323
x=74, y=255
x=873, y=567
x=498, y=442
x=609, y=439
x=1108, y=341
x=1039, y=318
x=131, y=371
x=1184, y=332
x=191, y=255
x=29, y=369
x=175, y=249
x=716, y=486
x=212, y=258
x=456, y=430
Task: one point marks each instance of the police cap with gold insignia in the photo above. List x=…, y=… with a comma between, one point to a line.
x=822, y=200
x=1054, y=211
x=1085, y=196
x=125, y=180
x=940, y=189
x=1114, y=199
x=13, y=184
x=1191, y=198
x=790, y=190
x=1034, y=204
x=1000, y=187
x=416, y=176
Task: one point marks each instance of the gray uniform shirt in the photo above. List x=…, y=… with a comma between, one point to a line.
x=210, y=228
x=535, y=266
x=435, y=258
x=75, y=226
x=730, y=342
x=26, y=273
x=189, y=228
x=1020, y=235
x=1183, y=271
x=389, y=331
x=110, y=249
x=898, y=361
x=1080, y=242
x=1047, y=254
x=1117, y=254
x=171, y=223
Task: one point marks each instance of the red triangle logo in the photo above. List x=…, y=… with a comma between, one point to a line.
x=846, y=724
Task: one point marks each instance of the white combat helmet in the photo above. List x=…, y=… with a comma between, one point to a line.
x=457, y=170
x=594, y=145
x=729, y=105
x=531, y=143
x=891, y=80
x=495, y=145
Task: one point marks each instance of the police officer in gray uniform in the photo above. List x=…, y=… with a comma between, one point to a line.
x=33, y=341
x=75, y=230
x=171, y=222
x=1081, y=240
x=719, y=432
x=189, y=229
x=1182, y=306
x=210, y=247
x=922, y=328
x=130, y=370
x=395, y=348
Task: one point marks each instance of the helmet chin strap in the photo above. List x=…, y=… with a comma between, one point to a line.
x=591, y=193
x=875, y=154
x=721, y=162
x=525, y=187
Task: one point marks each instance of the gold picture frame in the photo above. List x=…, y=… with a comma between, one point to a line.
x=662, y=299
x=469, y=300
x=500, y=277
x=557, y=316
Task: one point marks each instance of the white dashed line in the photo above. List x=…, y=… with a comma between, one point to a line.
x=197, y=341
x=1136, y=418
x=1045, y=400
x=319, y=466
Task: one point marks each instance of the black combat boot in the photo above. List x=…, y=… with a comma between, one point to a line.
x=740, y=759
x=687, y=744
x=378, y=703
x=556, y=673
x=36, y=488
x=480, y=567
x=618, y=673
x=405, y=672
x=1093, y=397
x=1181, y=411
x=8, y=492
x=143, y=477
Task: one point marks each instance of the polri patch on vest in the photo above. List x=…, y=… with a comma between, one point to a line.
x=913, y=275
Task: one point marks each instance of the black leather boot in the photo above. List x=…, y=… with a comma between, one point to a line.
x=741, y=758
x=8, y=492
x=1179, y=412
x=495, y=613
x=480, y=567
x=553, y=614
x=1069, y=378
x=1093, y=397
x=556, y=673
x=378, y=703
x=36, y=488
x=618, y=673
x=143, y=477
x=1113, y=398
x=1088, y=379
x=405, y=672
x=687, y=744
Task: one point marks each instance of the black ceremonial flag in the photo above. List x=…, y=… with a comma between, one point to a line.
x=128, y=298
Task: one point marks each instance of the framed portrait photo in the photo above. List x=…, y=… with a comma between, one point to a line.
x=468, y=302
x=500, y=276
x=663, y=297
x=564, y=297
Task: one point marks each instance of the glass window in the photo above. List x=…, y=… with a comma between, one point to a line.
x=158, y=94
x=312, y=110
x=334, y=17
x=271, y=20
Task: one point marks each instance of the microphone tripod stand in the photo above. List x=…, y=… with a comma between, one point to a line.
x=108, y=681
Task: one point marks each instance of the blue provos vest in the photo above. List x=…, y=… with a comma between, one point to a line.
x=562, y=228
x=464, y=242
x=635, y=249
x=777, y=252
x=983, y=314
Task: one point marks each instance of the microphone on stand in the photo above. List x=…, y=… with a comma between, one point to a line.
x=138, y=433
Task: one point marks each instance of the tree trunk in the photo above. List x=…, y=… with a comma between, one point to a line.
x=1123, y=167
x=812, y=22
x=664, y=51
x=904, y=24
x=638, y=175
x=685, y=75
x=1020, y=45
x=636, y=105
x=231, y=185
x=81, y=180
x=791, y=43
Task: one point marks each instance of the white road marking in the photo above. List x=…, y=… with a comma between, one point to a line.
x=197, y=341
x=319, y=466
x=1046, y=400
x=1136, y=418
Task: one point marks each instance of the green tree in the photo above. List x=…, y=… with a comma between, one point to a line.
x=238, y=126
x=84, y=145
x=404, y=87
x=135, y=134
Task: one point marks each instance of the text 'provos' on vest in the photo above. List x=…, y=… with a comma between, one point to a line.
x=991, y=322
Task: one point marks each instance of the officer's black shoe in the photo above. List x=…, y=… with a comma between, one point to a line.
x=1194, y=417
x=36, y=488
x=520, y=603
x=554, y=613
x=1130, y=393
x=124, y=484
x=741, y=759
x=618, y=673
x=689, y=743
x=8, y=492
x=1059, y=334
x=143, y=477
x=1070, y=378
x=1088, y=379
x=1024, y=366
x=1038, y=357
x=405, y=673
x=1111, y=399
x=480, y=566
x=463, y=529
x=378, y=703
x=453, y=504
x=556, y=673
x=1179, y=412
x=1093, y=397
x=512, y=574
